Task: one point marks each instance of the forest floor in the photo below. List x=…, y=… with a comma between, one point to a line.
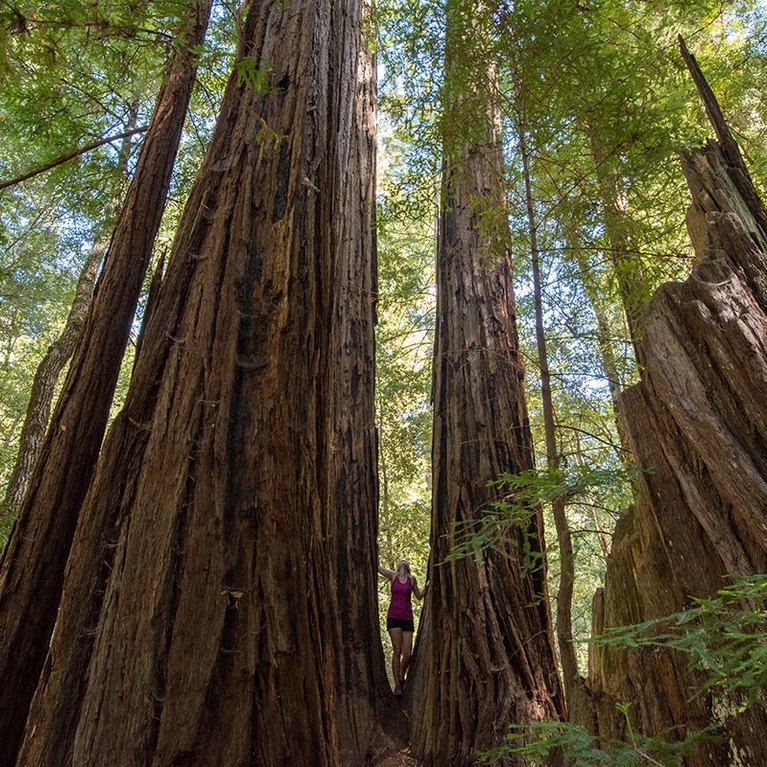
x=402, y=759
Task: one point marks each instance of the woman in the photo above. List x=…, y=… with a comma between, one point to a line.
x=399, y=618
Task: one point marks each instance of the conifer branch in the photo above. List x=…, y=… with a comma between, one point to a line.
x=67, y=156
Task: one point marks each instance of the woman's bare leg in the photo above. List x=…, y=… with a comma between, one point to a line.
x=407, y=651
x=396, y=643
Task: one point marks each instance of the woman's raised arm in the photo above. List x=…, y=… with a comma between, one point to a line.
x=386, y=572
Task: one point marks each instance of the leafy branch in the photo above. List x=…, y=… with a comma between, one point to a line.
x=539, y=741
x=70, y=155
x=497, y=528
x=725, y=637
x=250, y=72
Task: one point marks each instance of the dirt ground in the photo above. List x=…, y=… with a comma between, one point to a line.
x=402, y=759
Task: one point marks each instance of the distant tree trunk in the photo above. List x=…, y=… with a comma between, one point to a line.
x=487, y=659
x=606, y=345
x=44, y=384
x=220, y=600
x=60, y=352
x=697, y=423
x=627, y=266
x=571, y=679
x=33, y=562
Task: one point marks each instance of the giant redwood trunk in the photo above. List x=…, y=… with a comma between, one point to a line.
x=486, y=657
x=219, y=602
x=698, y=424
x=33, y=563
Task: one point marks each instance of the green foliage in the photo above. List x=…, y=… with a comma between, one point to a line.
x=404, y=345
x=253, y=73
x=404, y=339
x=725, y=637
x=540, y=741
x=410, y=53
x=519, y=495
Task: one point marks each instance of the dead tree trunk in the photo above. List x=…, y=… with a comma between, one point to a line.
x=33, y=563
x=487, y=658
x=219, y=605
x=698, y=423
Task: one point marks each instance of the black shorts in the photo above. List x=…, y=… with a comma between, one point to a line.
x=398, y=623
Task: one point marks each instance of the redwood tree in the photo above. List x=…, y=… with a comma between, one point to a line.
x=486, y=658
x=34, y=560
x=219, y=603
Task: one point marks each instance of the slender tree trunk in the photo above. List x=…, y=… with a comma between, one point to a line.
x=488, y=657
x=606, y=346
x=627, y=266
x=220, y=600
x=60, y=352
x=33, y=562
x=564, y=630
x=44, y=384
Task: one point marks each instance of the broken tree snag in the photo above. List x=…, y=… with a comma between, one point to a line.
x=715, y=188
x=737, y=173
x=697, y=424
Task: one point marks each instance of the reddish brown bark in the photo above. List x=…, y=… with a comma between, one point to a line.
x=489, y=658
x=34, y=560
x=221, y=588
